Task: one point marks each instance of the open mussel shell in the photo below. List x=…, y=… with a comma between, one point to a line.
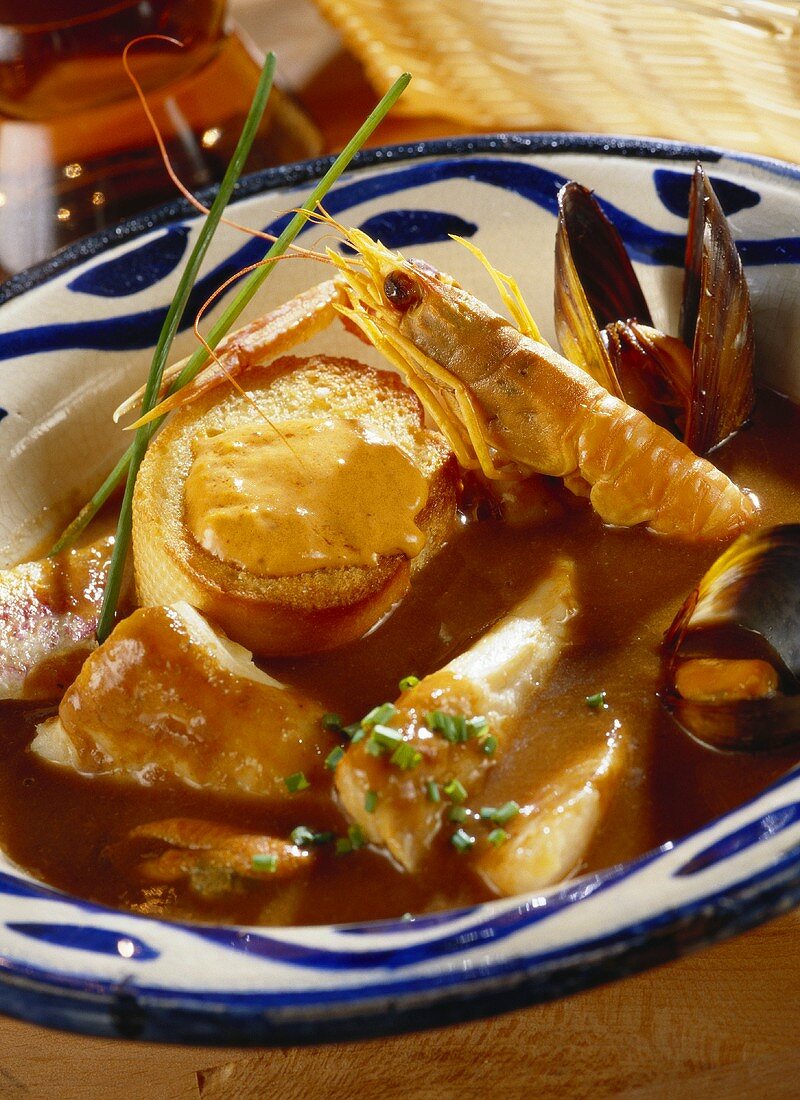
x=751, y=725
x=716, y=323
x=595, y=284
x=744, y=615
x=654, y=371
x=601, y=314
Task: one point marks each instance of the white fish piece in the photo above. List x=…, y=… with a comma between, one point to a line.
x=168, y=697
x=495, y=679
x=48, y=617
x=549, y=838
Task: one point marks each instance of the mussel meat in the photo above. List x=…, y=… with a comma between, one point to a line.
x=733, y=650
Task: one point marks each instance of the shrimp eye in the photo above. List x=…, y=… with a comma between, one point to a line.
x=402, y=291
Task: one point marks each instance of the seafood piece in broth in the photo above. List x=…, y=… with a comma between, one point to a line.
x=427, y=760
x=214, y=859
x=168, y=697
x=548, y=838
x=733, y=649
x=48, y=616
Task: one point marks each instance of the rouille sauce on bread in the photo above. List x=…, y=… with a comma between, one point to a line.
x=280, y=499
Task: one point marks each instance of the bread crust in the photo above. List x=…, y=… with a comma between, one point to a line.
x=312, y=611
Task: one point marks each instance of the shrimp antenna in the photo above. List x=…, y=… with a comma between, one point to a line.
x=165, y=157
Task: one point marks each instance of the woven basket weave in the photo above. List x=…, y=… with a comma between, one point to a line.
x=700, y=70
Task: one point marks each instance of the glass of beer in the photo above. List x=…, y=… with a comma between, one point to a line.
x=76, y=151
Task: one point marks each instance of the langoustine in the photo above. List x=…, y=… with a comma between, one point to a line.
x=517, y=404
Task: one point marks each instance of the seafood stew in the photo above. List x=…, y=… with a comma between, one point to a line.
x=589, y=736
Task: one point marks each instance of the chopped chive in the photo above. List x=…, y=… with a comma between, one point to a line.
x=502, y=815
x=458, y=813
x=370, y=801
x=597, y=701
x=497, y=837
x=432, y=791
x=356, y=733
x=489, y=744
x=332, y=722
x=405, y=756
x=354, y=840
x=296, y=782
x=373, y=748
x=127, y=465
x=455, y=728
x=477, y=727
x=304, y=837
x=379, y=716
x=334, y=757
x=408, y=682
x=506, y=812
x=265, y=862
x=455, y=791
x=462, y=840
x=446, y=724
x=386, y=737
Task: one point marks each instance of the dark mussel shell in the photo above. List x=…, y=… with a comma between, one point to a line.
x=595, y=283
x=716, y=323
x=603, y=322
x=654, y=371
x=747, y=606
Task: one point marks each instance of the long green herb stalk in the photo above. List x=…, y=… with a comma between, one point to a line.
x=128, y=465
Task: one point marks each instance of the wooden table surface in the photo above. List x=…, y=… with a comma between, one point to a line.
x=722, y=1023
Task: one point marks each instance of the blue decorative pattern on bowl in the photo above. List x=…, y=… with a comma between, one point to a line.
x=75, y=339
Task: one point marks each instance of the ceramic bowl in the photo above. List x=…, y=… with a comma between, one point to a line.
x=75, y=337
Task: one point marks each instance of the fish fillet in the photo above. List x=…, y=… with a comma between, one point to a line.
x=168, y=697
x=496, y=678
x=48, y=616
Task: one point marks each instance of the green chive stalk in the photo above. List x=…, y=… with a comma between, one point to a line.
x=168, y=330
x=128, y=465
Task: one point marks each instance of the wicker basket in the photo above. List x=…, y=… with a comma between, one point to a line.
x=700, y=70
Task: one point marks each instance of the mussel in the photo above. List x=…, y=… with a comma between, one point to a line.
x=698, y=385
x=733, y=650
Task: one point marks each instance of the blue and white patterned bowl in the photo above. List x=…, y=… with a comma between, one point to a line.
x=75, y=337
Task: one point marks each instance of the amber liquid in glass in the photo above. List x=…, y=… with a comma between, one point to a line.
x=76, y=151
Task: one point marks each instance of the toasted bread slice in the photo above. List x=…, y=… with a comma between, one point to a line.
x=309, y=611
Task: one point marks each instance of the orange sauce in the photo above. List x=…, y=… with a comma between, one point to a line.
x=285, y=498
x=630, y=585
